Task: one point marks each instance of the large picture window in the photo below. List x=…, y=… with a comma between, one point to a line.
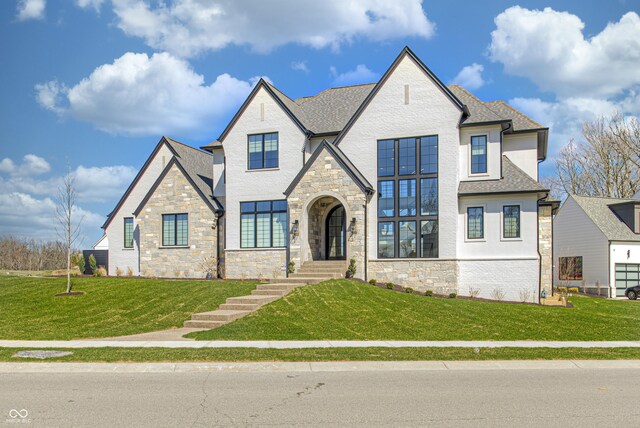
x=263, y=151
x=263, y=224
x=570, y=268
x=128, y=232
x=408, y=197
x=511, y=221
x=479, y=154
x=175, y=230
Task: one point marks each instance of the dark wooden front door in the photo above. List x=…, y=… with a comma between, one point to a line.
x=335, y=234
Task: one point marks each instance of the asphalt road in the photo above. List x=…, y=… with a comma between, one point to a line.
x=584, y=398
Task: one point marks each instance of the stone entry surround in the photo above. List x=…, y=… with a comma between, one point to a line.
x=325, y=182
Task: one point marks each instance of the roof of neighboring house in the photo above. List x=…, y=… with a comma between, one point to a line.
x=514, y=180
x=342, y=160
x=599, y=211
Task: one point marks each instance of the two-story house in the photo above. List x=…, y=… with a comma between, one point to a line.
x=422, y=184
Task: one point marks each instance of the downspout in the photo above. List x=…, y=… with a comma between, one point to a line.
x=366, y=233
x=609, y=271
x=538, y=247
x=502, y=131
x=218, y=245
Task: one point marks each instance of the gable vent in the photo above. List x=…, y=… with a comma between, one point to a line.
x=406, y=94
x=261, y=112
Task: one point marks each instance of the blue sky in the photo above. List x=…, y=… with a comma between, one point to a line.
x=96, y=83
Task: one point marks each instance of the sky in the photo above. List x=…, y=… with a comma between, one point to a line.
x=92, y=85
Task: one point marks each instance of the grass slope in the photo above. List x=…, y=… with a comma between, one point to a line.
x=344, y=310
x=330, y=354
x=110, y=307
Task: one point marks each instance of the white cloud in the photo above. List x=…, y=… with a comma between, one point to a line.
x=470, y=77
x=101, y=184
x=7, y=165
x=141, y=95
x=189, y=27
x=31, y=165
x=550, y=49
x=26, y=216
x=30, y=9
x=300, y=66
x=361, y=74
x=85, y=4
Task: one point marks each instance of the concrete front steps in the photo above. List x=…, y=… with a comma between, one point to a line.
x=238, y=307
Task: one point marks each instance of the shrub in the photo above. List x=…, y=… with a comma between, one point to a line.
x=93, y=264
x=372, y=281
x=101, y=271
x=525, y=295
x=118, y=271
x=453, y=295
x=573, y=290
x=81, y=265
x=390, y=285
x=428, y=293
x=351, y=270
x=474, y=292
x=129, y=271
x=291, y=267
x=408, y=290
x=498, y=294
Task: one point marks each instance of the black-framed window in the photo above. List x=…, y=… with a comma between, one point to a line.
x=408, y=197
x=262, y=150
x=511, y=221
x=478, y=154
x=263, y=224
x=128, y=232
x=475, y=223
x=175, y=230
x=570, y=268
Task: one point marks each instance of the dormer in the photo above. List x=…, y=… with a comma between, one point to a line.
x=629, y=213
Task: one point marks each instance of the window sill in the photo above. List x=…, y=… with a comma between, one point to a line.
x=262, y=169
x=475, y=240
x=128, y=249
x=170, y=247
x=510, y=239
x=479, y=174
x=258, y=249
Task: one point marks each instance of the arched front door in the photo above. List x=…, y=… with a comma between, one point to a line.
x=335, y=234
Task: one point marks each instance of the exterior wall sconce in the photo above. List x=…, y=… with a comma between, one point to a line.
x=295, y=229
x=353, y=227
x=628, y=253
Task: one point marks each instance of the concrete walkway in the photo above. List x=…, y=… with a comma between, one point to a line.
x=291, y=344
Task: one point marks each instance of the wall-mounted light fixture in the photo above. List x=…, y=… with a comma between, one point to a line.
x=295, y=228
x=353, y=227
x=628, y=253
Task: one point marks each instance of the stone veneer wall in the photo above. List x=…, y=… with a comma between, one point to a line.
x=326, y=178
x=174, y=195
x=441, y=276
x=545, y=247
x=256, y=263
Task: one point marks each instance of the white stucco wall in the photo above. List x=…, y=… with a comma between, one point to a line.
x=574, y=234
x=243, y=184
x=129, y=257
x=516, y=277
x=493, y=152
x=429, y=112
x=522, y=150
x=493, y=245
x=218, y=173
x=622, y=252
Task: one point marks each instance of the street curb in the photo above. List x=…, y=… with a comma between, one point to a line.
x=355, y=366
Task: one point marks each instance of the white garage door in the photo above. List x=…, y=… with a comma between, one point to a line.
x=627, y=275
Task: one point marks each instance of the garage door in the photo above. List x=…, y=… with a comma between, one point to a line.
x=627, y=275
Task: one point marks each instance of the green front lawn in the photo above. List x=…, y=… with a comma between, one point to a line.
x=29, y=308
x=329, y=354
x=345, y=310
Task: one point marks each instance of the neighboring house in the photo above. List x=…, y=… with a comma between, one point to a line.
x=597, y=244
x=422, y=184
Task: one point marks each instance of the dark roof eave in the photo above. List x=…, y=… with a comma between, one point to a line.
x=502, y=192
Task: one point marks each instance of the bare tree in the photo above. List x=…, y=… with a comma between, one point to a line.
x=68, y=226
x=627, y=131
x=605, y=164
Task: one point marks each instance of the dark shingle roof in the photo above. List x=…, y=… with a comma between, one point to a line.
x=514, y=180
x=493, y=111
x=198, y=165
x=598, y=210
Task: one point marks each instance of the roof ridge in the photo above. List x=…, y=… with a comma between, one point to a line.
x=513, y=109
x=278, y=90
x=602, y=197
x=306, y=97
x=171, y=140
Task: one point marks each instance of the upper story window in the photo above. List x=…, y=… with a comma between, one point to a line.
x=128, y=232
x=263, y=151
x=479, y=154
x=263, y=224
x=175, y=230
x=408, y=197
x=511, y=221
x=475, y=223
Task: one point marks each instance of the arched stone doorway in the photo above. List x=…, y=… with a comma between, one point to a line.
x=327, y=229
